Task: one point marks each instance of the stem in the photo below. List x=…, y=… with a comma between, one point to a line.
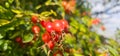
x=48, y=54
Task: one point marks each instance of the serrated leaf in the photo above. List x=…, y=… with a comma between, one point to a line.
x=27, y=38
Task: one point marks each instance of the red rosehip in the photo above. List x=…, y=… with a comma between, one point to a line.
x=46, y=37
x=49, y=27
x=68, y=5
x=95, y=21
x=58, y=53
x=64, y=3
x=72, y=3
x=65, y=23
x=18, y=39
x=58, y=26
x=50, y=45
x=34, y=19
x=35, y=29
x=43, y=23
x=103, y=28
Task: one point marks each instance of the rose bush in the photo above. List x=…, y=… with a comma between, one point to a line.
x=51, y=28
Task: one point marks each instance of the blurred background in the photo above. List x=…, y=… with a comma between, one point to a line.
x=108, y=11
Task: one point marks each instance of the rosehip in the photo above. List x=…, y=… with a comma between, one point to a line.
x=58, y=26
x=65, y=23
x=102, y=28
x=34, y=19
x=64, y=3
x=96, y=21
x=50, y=45
x=46, y=37
x=43, y=23
x=35, y=29
x=18, y=39
x=49, y=27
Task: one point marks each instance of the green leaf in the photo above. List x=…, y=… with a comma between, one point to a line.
x=7, y=5
x=46, y=13
x=37, y=7
x=10, y=1
x=73, y=30
x=15, y=34
x=45, y=49
x=82, y=28
x=1, y=36
x=53, y=12
x=5, y=46
x=113, y=51
x=11, y=25
x=1, y=42
x=2, y=9
x=69, y=39
x=27, y=38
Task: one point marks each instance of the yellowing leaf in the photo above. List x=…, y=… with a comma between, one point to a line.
x=37, y=7
x=75, y=54
x=19, y=15
x=46, y=13
x=3, y=22
x=16, y=11
x=53, y=13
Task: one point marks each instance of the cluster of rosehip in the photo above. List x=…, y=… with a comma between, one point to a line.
x=35, y=30
x=97, y=22
x=54, y=32
x=68, y=5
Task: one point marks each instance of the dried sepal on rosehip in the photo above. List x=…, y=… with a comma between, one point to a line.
x=35, y=29
x=34, y=19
